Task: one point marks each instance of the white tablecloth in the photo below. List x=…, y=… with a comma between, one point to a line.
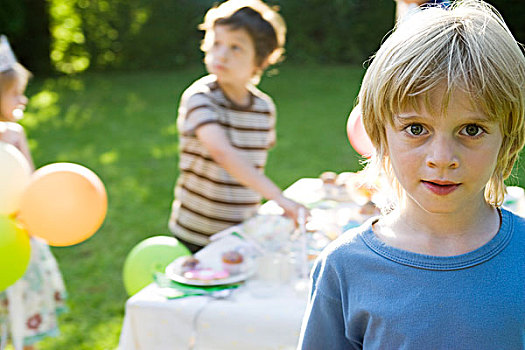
x=241, y=321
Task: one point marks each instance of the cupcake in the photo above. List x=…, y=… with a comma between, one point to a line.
x=189, y=264
x=328, y=177
x=232, y=261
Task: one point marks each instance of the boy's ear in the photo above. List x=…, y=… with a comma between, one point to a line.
x=264, y=64
x=259, y=69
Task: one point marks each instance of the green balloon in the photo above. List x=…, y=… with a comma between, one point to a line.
x=15, y=252
x=149, y=256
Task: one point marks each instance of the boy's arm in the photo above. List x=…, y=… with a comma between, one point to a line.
x=324, y=325
x=216, y=142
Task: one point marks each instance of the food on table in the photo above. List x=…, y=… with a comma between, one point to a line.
x=328, y=177
x=193, y=269
x=190, y=263
x=333, y=187
x=206, y=274
x=232, y=261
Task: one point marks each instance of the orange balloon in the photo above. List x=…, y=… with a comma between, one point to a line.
x=357, y=134
x=64, y=204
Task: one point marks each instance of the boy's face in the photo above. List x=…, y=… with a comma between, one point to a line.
x=232, y=56
x=13, y=103
x=443, y=162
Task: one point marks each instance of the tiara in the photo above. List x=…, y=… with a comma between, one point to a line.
x=7, y=57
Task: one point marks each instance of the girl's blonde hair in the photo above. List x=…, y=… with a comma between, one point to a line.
x=466, y=48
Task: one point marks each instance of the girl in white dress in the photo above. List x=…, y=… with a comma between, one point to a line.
x=29, y=307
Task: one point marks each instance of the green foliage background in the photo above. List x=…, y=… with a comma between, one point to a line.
x=139, y=34
x=72, y=36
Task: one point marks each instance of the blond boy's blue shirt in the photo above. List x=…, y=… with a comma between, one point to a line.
x=368, y=295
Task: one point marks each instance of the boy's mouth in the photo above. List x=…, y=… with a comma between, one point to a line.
x=440, y=187
x=219, y=67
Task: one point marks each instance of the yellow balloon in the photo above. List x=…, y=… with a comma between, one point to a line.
x=15, y=173
x=15, y=251
x=64, y=204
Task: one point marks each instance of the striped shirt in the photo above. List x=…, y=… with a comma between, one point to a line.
x=207, y=198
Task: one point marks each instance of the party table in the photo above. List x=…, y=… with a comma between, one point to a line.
x=255, y=315
x=240, y=321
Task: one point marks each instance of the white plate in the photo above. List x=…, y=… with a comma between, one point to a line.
x=174, y=272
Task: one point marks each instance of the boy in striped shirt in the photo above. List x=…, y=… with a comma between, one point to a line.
x=226, y=125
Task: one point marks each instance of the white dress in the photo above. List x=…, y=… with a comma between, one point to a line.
x=29, y=308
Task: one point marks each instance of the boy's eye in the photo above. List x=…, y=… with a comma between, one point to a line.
x=415, y=129
x=472, y=130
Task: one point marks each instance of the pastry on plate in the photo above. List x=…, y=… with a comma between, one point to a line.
x=190, y=263
x=206, y=275
x=232, y=261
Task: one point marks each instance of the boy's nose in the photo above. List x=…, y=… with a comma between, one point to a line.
x=222, y=53
x=442, y=153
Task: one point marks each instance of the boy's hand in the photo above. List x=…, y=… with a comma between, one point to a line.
x=291, y=208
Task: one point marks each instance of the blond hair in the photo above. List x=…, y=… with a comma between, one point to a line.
x=466, y=48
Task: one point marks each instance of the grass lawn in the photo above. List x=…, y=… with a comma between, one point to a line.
x=122, y=126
